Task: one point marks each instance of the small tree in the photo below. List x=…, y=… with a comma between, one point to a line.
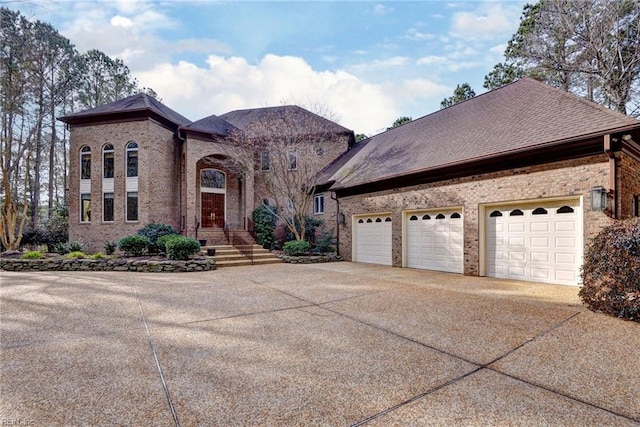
x=399, y=122
x=288, y=143
x=461, y=93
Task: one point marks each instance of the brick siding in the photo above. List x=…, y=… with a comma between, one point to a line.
x=157, y=180
x=565, y=179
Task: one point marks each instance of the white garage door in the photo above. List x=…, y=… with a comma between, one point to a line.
x=434, y=240
x=540, y=243
x=373, y=239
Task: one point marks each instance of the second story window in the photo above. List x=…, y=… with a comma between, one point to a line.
x=85, y=163
x=107, y=161
x=132, y=159
x=292, y=160
x=265, y=163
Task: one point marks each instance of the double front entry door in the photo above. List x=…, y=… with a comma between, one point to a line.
x=212, y=210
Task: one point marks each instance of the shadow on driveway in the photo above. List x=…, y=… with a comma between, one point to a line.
x=324, y=344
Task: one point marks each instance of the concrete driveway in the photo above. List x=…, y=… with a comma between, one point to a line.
x=329, y=344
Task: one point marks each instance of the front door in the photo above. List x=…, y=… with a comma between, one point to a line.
x=212, y=210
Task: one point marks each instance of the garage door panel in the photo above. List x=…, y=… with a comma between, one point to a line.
x=539, y=257
x=516, y=227
x=565, y=258
x=566, y=242
x=516, y=272
x=434, y=241
x=373, y=240
x=540, y=242
x=569, y=226
x=514, y=242
x=540, y=226
x=544, y=242
x=539, y=273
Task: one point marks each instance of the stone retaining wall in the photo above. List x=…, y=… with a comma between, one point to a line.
x=311, y=259
x=145, y=266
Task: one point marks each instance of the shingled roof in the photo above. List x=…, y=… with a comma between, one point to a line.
x=211, y=125
x=131, y=106
x=524, y=115
x=243, y=119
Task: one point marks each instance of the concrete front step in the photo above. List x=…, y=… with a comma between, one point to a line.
x=230, y=256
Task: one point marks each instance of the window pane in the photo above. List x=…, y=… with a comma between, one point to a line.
x=132, y=206
x=85, y=207
x=107, y=171
x=85, y=167
x=318, y=205
x=107, y=207
x=265, y=161
x=132, y=164
x=292, y=160
x=210, y=178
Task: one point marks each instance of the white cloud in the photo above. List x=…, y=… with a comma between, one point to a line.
x=490, y=19
x=415, y=34
x=121, y=21
x=380, y=9
x=229, y=83
x=432, y=60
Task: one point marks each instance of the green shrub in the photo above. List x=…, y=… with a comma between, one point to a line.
x=32, y=255
x=51, y=233
x=162, y=241
x=153, y=232
x=76, y=255
x=325, y=242
x=181, y=248
x=296, y=247
x=264, y=222
x=110, y=247
x=97, y=255
x=135, y=245
x=64, y=248
x=611, y=271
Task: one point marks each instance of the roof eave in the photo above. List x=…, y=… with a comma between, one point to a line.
x=118, y=116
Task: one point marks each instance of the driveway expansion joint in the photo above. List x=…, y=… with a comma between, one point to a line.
x=165, y=387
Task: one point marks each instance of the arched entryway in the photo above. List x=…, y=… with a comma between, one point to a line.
x=213, y=198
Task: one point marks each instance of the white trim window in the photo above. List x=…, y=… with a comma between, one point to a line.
x=107, y=207
x=85, y=207
x=85, y=163
x=132, y=206
x=107, y=161
x=318, y=204
x=132, y=159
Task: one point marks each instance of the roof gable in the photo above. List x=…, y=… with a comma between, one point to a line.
x=521, y=116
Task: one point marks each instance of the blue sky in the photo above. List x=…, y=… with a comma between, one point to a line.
x=364, y=63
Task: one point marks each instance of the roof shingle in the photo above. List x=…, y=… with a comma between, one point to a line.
x=523, y=115
x=130, y=104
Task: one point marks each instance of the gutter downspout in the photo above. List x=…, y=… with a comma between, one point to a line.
x=337, y=221
x=183, y=217
x=613, y=179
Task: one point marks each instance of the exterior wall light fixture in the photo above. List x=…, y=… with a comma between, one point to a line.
x=598, y=198
x=342, y=220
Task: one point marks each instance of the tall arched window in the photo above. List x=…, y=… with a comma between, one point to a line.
x=107, y=161
x=85, y=163
x=132, y=159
